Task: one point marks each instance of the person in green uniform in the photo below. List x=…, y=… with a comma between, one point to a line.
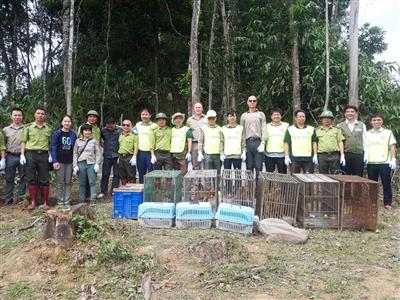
x=145, y=144
x=330, y=145
x=126, y=161
x=35, y=142
x=210, y=142
x=162, y=136
x=2, y=152
x=181, y=143
x=301, y=145
x=92, y=117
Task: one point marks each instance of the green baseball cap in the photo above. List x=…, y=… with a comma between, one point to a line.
x=161, y=116
x=326, y=114
x=92, y=113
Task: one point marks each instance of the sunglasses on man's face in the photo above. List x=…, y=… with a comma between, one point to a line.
x=252, y=100
x=127, y=125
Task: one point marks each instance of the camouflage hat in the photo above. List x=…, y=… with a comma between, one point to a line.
x=161, y=116
x=326, y=114
x=92, y=113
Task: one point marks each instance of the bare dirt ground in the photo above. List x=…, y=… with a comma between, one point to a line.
x=110, y=258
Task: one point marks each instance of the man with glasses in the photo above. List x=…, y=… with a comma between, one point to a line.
x=254, y=126
x=127, y=161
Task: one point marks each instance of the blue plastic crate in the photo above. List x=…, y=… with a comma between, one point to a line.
x=194, y=211
x=126, y=203
x=157, y=210
x=235, y=214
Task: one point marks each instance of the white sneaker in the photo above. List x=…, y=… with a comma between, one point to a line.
x=99, y=196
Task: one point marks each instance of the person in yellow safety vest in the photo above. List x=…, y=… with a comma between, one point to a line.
x=209, y=143
x=275, y=143
x=144, y=148
x=233, y=143
x=381, y=156
x=181, y=143
x=301, y=145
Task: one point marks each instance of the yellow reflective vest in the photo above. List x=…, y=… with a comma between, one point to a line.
x=301, y=141
x=211, y=139
x=178, y=140
x=232, y=140
x=378, y=146
x=275, y=138
x=145, y=136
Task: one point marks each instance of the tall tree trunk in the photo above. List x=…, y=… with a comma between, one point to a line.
x=42, y=32
x=156, y=70
x=68, y=47
x=194, y=56
x=6, y=62
x=229, y=66
x=105, y=82
x=296, y=102
x=14, y=53
x=334, y=11
x=209, y=60
x=28, y=47
x=327, y=86
x=353, y=55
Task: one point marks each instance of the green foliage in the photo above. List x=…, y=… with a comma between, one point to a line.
x=85, y=229
x=20, y=290
x=112, y=250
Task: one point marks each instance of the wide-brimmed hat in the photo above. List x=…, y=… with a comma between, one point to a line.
x=92, y=113
x=326, y=114
x=178, y=114
x=161, y=116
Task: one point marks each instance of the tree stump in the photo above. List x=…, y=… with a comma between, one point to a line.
x=59, y=225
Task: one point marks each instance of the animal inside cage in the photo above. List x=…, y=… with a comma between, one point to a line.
x=163, y=186
x=238, y=187
x=278, y=196
x=201, y=186
x=359, y=202
x=318, y=201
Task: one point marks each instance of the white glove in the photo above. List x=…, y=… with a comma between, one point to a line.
x=261, y=147
x=76, y=170
x=2, y=164
x=22, y=160
x=342, y=160
x=188, y=157
x=315, y=159
x=50, y=158
x=287, y=160
x=96, y=168
x=153, y=159
x=365, y=158
x=392, y=164
x=222, y=157
x=132, y=162
x=243, y=156
x=200, y=157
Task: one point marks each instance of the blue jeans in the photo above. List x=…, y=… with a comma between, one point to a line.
x=235, y=162
x=144, y=164
x=12, y=165
x=109, y=163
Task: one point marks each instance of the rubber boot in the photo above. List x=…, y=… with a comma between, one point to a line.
x=123, y=182
x=45, y=196
x=32, y=189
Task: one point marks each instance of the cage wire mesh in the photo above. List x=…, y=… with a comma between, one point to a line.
x=201, y=186
x=318, y=201
x=238, y=187
x=359, y=202
x=163, y=186
x=278, y=196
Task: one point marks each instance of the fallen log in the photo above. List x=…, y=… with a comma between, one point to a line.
x=239, y=276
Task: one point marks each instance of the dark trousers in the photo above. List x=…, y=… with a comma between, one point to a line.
x=236, y=163
x=109, y=163
x=180, y=164
x=164, y=160
x=354, y=164
x=37, y=168
x=254, y=159
x=275, y=162
x=212, y=162
x=125, y=170
x=12, y=165
x=382, y=170
x=144, y=164
x=306, y=166
x=328, y=162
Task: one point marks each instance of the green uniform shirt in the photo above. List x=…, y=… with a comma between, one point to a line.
x=36, y=138
x=329, y=139
x=96, y=132
x=163, y=138
x=127, y=143
x=2, y=143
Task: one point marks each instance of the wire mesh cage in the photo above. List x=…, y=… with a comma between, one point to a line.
x=318, y=201
x=201, y=186
x=359, y=202
x=277, y=197
x=238, y=187
x=163, y=186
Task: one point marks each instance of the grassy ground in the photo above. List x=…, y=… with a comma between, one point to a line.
x=110, y=257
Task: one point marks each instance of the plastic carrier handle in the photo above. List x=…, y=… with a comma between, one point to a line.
x=194, y=202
